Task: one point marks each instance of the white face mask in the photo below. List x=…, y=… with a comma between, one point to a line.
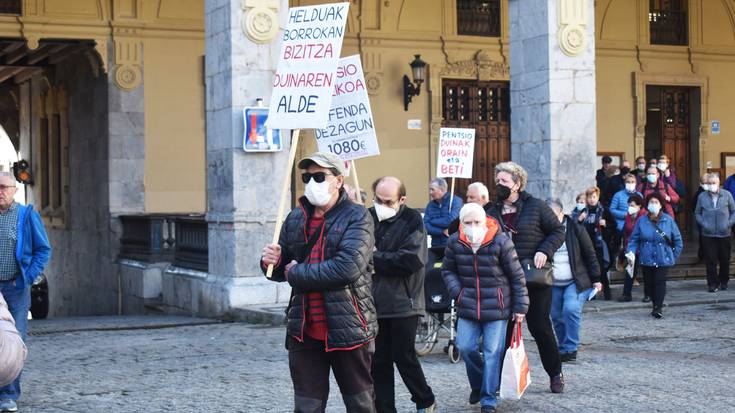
x=475, y=234
x=632, y=210
x=580, y=206
x=318, y=193
x=662, y=166
x=713, y=188
x=705, y=187
x=383, y=212
x=630, y=187
x=654, y=209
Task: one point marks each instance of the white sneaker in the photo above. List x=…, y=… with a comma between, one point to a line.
x=8, y=406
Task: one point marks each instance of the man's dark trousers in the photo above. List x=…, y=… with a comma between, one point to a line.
x=395, y=344
x=717, y=252
x=310, y=364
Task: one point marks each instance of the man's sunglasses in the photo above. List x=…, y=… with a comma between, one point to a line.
x=319, y=177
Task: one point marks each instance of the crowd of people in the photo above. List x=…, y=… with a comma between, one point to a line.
x=357, y=274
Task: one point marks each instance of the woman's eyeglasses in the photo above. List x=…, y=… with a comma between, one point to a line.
x=319, y=177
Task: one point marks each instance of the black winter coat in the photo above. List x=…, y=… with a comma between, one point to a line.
x=488, y=285
x=344, y=277
x=582, y=256
x=538, y=228
x=400, y=260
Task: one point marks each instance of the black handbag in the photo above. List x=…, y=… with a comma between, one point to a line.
x=537, y=277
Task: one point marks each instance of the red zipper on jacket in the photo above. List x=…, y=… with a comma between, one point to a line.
x=501, y=304
x=459, y=297
x=477, y=284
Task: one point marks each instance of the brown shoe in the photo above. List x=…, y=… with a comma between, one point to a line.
x=557, y=384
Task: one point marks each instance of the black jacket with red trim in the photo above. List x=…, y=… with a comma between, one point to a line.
x=487, y=285
x=344, y=276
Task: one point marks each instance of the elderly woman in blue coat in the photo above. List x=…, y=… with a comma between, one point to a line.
x=483, y=274
x=658, y=242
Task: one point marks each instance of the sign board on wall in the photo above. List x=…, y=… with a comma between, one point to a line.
x=455, y=153
x=257, y=137
x=715, y=127
x=305, y=77
x=350, y=131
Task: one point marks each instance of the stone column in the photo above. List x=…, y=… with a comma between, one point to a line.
x=242, y=188
x=552, y=80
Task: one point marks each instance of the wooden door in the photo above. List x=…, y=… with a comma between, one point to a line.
x=484, y=106
x=675, y=141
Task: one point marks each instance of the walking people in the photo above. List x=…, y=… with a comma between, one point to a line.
x=325, y=253
x=640, y=171
x=537, y=234
x=654, y=184
x=634, y=213
x=439, y=213
x=715, y=214
x=482, y=272
x=601, y=175
x=618, y=210
x=592, y=218
x=24, y=253
x=576, y=271
x=398, y=289
x=658, y=242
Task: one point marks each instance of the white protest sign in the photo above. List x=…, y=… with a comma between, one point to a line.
x=350, y=131
x=456, y=153
x=305, y=77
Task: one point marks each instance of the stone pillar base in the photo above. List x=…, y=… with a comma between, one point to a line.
x=208, y=295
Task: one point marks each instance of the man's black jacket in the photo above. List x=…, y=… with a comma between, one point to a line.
x=400, y=259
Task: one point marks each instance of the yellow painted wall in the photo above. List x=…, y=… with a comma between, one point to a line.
x=175, y=147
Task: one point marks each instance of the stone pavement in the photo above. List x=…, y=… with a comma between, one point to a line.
x=628, y=362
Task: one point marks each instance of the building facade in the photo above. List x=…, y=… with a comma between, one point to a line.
x=130, y=115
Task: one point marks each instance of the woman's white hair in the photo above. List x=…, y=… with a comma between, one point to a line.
x=517, y=173
x=471, y=209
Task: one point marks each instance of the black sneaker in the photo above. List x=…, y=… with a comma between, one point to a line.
x=646, y=299
x=723, y=287
x=713, y=289
x=657, y=313
x=625, y=299
x=475, y=397
x=567, y=357
x=488, y=409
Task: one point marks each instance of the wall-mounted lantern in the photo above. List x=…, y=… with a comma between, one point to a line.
x=418, y=70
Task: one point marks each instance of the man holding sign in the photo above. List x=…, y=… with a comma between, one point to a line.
x=325, y=253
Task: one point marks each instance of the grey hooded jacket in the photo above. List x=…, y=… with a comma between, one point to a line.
x=715, y=221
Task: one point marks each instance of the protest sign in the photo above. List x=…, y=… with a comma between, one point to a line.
x=350, y=131
x=455, y=153
x=304, y=79
x=306, y=72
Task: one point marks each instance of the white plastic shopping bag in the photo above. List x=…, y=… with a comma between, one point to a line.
x=515, y=377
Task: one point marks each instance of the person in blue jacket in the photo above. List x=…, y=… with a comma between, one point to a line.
x=24, y=252
x=619, y=204
x=438, y=214
x=730, y=184
x=657, y=240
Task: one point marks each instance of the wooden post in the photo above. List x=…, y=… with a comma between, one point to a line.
x=451, y=196
x=355, y=182
x=284, y=192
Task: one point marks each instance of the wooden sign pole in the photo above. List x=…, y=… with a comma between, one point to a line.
x=355, y=182
x=284, y=192
x=451, y=196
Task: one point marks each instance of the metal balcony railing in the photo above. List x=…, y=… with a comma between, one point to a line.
x=669, y=27
x=478, y=17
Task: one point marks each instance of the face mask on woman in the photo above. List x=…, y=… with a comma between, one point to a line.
x=630, y=187
x=662, y=166
x=654, y=209
x=652, y=178
x=318, y=193
x=633, y=210
x=502, y=192
x=580, y=206
x=475, y=234
x=641, y=167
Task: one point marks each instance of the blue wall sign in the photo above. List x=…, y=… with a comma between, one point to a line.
x=257, y=137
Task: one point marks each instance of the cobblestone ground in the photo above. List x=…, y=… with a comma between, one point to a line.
x=629, y=362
